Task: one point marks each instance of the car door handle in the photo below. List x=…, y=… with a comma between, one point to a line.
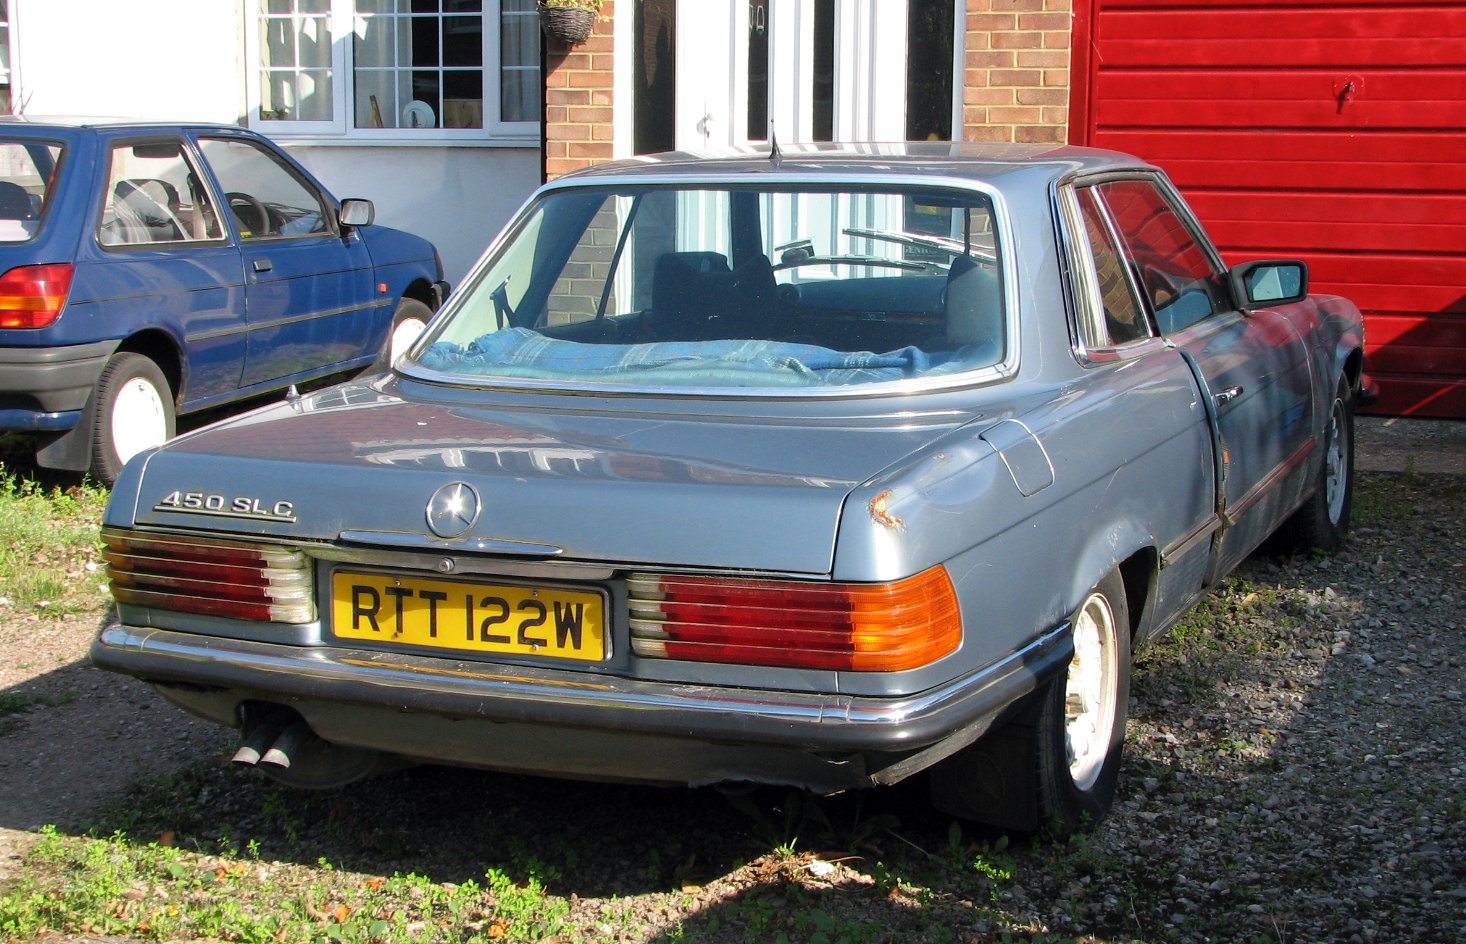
x=263, y=265
x=1227, y=396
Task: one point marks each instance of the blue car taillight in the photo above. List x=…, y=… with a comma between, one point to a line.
x=33, y=296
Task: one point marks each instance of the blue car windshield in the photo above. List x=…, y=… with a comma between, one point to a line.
x=736, y=287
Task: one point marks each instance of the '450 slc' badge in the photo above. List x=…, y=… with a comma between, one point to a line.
x=225, y=506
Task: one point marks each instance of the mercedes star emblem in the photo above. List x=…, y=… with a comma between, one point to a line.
x=453, y=509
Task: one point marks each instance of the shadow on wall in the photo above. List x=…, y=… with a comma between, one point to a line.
x=1418, y=361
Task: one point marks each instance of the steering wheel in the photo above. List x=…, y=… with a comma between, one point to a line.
x=238, y=201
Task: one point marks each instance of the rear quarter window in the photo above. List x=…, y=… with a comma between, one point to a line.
x=28, y=171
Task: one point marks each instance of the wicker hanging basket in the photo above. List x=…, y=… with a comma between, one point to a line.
x=570, y=25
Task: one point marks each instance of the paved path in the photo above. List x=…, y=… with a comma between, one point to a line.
x=1394, y=444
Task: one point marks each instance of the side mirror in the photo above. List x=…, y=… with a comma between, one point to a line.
x=1270, y=282
x=357, y=212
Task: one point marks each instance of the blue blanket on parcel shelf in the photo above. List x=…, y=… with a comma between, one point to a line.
x=520, y=352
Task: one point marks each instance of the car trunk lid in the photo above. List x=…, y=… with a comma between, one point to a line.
x=622, y=486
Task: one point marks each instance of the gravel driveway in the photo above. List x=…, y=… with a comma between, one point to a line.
x=1294, y=770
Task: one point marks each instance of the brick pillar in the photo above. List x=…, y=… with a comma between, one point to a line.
x=1016, y=78
x=578, y=88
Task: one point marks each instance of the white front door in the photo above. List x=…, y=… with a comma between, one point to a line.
x=804, y=70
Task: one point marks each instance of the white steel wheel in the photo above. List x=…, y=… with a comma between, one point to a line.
x=403, y=334
x=408, y=321
x=1338, y=460
x=133, y=411
x=1090, y=691
x=1081, y=715
x=1322, y=521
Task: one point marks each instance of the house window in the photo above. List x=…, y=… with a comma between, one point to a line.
x=398, y=70
x=4, y=57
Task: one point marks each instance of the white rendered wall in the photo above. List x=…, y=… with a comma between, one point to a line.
x=458, y=197
x=156, y=59
x=184, y=60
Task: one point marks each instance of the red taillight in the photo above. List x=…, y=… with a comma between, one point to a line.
x=33, y=296
x=209, y=577
x=883, y=627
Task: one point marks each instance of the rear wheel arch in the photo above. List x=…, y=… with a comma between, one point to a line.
x=1140, y=572
x=160, y=348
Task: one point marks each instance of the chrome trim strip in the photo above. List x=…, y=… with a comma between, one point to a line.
x=1234, y=511
x=280, y=322
x=1182, y=545
x=561, y=698
x=421, y=542
x=237, y=328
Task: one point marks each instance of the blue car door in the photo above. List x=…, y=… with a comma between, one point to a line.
x=163, y=257
x=309, y=298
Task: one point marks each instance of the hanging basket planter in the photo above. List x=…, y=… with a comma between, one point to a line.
x=570, y=25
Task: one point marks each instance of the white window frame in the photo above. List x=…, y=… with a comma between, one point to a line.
x=342, y=24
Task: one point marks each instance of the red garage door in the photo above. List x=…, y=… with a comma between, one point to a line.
x=1328, y=131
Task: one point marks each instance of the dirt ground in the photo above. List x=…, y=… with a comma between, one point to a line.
x=91, y=732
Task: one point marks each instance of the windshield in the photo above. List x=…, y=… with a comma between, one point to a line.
x=27, y=172
x=735, y=287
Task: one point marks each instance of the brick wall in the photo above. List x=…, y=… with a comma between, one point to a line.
x=578, y=100
x=1016, y=81
x=1016, y=76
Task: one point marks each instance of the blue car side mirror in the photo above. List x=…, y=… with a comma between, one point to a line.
x=357, y=212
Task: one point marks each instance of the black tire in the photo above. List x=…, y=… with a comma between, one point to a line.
x=1322, y=521
x=1025, y=777
x=132, y=410
x=408, y=321
x=1076, y=785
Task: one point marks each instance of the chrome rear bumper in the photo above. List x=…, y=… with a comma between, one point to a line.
x=565, y=723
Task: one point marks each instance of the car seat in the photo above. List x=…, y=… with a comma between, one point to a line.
x=697, y=296
x=15, y=202
x=972, y=304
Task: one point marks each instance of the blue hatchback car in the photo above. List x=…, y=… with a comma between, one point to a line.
x=149, y=270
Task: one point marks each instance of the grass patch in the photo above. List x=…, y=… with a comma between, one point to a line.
x=13, y=703
x=49, y=558
x=112, y=886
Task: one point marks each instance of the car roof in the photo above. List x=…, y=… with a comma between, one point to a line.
x=962, y=160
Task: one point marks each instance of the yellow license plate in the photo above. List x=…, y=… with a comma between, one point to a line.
x=469, y=617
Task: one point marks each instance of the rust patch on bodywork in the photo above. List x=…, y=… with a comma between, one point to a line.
x=881, y=515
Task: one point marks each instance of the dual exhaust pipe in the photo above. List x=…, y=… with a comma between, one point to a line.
x=273, y=745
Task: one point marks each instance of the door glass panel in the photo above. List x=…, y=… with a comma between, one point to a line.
x=1175, y=272
x=655, y=73
x=519, y=63
x=929, y=70
x=758, y=70
x=154, y=195
x=1124, y=319
x=266, y=198
x=824, y=70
